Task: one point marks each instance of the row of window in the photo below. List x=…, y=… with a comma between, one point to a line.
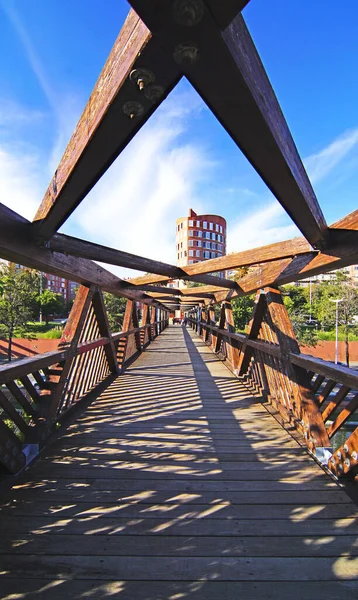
x=207, y=245
x=207, y=235
x=199, y=254
x=207, y=225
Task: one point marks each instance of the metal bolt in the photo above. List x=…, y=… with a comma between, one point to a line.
x=186, y=54
x=133, y=109
x=188, y=12
x=142, y=77
x=154, y=93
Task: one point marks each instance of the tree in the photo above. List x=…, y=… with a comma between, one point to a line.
x=115, y=306
x=242, y=309
x=348, y=312
x=295, y=299
x=16, y=295
x=51, y=304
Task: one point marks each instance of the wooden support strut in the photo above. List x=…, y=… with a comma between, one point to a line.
x=118, y=106
x=228, y=74
x=305, y=401
x=254, y=328
x=103, y=325
x=69, y=341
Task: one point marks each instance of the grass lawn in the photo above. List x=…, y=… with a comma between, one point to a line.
x=39, y=330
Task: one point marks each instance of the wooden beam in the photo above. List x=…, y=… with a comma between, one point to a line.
x=105, y=127
x=77, y=247
x=103, y=326
x=17, y=245
x=342, y=253
x=230, y=77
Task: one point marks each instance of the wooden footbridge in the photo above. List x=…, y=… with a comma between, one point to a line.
x=179, y=462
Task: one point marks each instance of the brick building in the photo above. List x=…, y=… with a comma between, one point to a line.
x=199, y=237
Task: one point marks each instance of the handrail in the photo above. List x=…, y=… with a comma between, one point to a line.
x=308, y=392
x=36, y=391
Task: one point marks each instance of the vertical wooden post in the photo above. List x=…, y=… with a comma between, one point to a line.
x=145, y=334
x=221, y=326
x=152, y=320
x=233, y=351
x=103, y=325
x=135, y=321
x=254, y=329
x=123, y=342
x=211, y=321
x=305, y=406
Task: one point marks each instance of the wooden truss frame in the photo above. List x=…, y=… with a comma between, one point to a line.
x=207, y=42
x=149, y=57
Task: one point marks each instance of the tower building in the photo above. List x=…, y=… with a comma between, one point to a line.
x=199, y=237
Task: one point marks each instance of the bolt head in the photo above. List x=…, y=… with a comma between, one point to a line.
x=186, y=54
x=154, y=93
x=133, y=109
x=188, y=12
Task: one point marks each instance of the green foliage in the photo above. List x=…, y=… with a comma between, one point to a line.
x=115, y=306
x=16, y=296
x=296, y=301
x=50, y=303
x=242, y=308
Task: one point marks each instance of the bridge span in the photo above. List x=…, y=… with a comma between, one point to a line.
x=178, y=482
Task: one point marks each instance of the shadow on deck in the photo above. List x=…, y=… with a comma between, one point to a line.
x=177, y=483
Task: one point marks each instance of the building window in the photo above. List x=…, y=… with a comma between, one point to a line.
x=198, y=223
x=213, y=236
x=191, y=242
x=191, y=223
x=198, y=243
x=181, y=225
x=217, y=228
x=207, y=235
x=191, y=262
x=211, y=226
x=200, y=233
x=221, y=228
x=206, y=254
x=198, y=254
x=191, y=252
x=205, y=224
x=181, y=244
x=178, y=255
x=190, y=232
x=212, y=255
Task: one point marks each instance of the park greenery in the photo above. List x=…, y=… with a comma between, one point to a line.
x=22, y=298
x=312, y=310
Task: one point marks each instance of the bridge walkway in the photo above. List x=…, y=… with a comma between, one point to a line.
x=177, y=483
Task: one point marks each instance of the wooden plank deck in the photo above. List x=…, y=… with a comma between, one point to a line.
x=177, y=483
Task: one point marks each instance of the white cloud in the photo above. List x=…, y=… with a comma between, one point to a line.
x=321, y=164
x=20, y=180
x=155, y=180
x=265, y=225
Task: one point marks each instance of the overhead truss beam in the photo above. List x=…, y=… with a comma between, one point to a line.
x=222, y=63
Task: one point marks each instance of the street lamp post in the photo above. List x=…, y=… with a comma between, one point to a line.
x=336, y=302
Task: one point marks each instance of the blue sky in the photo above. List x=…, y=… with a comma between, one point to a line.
x=52, y=55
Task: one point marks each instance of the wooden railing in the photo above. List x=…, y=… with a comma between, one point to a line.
x=317, y=397
x=37, y=392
